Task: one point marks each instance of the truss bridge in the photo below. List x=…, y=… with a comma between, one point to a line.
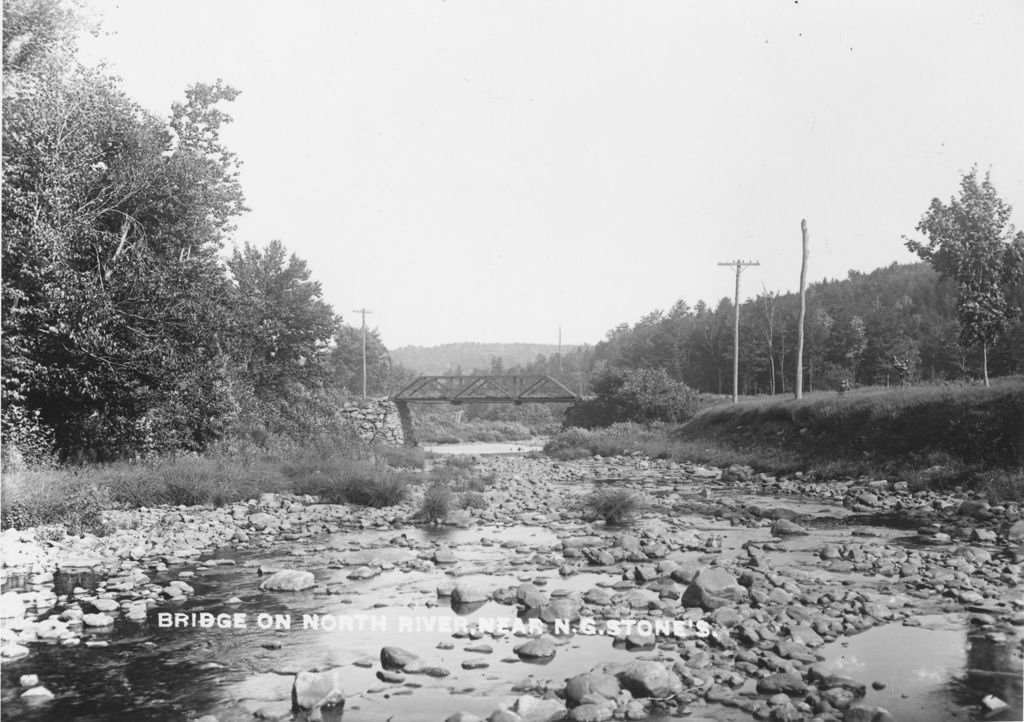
x=485, y=390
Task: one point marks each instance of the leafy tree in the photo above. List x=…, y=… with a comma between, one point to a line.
x=346, y=361
x=282, y=325
x=113, y=313
x=971, y=240
x=642, y=395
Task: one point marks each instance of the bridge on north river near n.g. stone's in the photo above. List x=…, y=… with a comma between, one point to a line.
x=489, y=389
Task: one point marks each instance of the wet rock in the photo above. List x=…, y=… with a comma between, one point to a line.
x=364, y=573
x=534, y=709
x=288, y=580
x=475, y=664
x=461, y=716
x=466, y=593
x=591, y=688
x=97, y=620
x=737, y=473
x=991, y=704
x=649, y=679
x=444, y=555
x=105, y=605
x=712, y=588
x=785, y=527
x=13, y=651
x=262, y=521
x=1015, y=533
x=28, y=680
x=972, y=507
x=396, y=657
x=37, y=694
x=537, y=648
x=863, y=713
x=591, y=713
x=560, y=609
x=581, y=542
x=787, y=682
x=11, y=606
x=313, y=692
x=530, y=596
x=390, y=676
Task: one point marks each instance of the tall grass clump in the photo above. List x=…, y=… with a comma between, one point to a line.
x=404, y=457
x=59, y=497
x=438, y=500
x=615, y=506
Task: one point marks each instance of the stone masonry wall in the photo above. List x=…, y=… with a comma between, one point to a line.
x=375, y=420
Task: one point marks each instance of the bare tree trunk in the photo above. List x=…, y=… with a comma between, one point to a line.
x=803, y=313
x=984, y=362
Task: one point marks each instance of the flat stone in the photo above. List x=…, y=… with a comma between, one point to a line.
x=396, y=657
x=466, y=593
x=537, y=648
x=288, y=580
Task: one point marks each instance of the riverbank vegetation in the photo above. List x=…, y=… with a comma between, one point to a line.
x=936, y=434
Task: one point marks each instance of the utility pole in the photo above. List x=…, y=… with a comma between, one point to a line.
x=799, y=390
x=559, y=348
x=364, y=311
x=739, y=265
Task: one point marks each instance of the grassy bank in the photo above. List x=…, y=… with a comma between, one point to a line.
x=928, y=435
x=336, y=470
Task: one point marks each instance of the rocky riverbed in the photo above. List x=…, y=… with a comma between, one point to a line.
x=733, y=596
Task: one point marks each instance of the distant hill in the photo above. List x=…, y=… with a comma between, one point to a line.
x=436, y=360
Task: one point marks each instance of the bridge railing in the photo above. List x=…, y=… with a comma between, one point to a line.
x=486, y=389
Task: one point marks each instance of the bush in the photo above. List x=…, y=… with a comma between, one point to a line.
x=644, y=395
x=405, y=457
x=53, y=497
x=473, y=500
x=437, y=502
x=615, y=506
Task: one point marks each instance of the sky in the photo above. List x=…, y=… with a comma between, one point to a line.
x=483, y=170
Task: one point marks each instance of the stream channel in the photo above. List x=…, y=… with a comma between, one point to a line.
x=934, y=664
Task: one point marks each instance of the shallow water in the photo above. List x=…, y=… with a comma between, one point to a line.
x=941, y=669
x=486, y=448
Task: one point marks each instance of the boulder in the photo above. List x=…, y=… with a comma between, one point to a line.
x=537, y=648
x=465, y=593
x=535, y=709
x=785, y=527
x=288, y=580
x=313, y=692
x=786, y=682
x=11, y=606
x=591, y=688
x=713, y=587
x=396, y=658
x=649, y=679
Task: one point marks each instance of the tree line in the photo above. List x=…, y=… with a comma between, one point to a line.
x=127, y=329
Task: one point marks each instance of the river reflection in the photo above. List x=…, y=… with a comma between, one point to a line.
x=931, y=671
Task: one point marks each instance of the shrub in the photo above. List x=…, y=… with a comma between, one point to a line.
x=613, y=505
x=405, y=457
x=571, y=438
x=53, y=497
x=437, y=502
x=571, y=453
x=643, y=395
x=472, y=500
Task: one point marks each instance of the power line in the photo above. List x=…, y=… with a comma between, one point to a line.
x=364, y=311
x=739, y=265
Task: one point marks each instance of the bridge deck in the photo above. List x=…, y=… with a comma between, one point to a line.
x=486, y=390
